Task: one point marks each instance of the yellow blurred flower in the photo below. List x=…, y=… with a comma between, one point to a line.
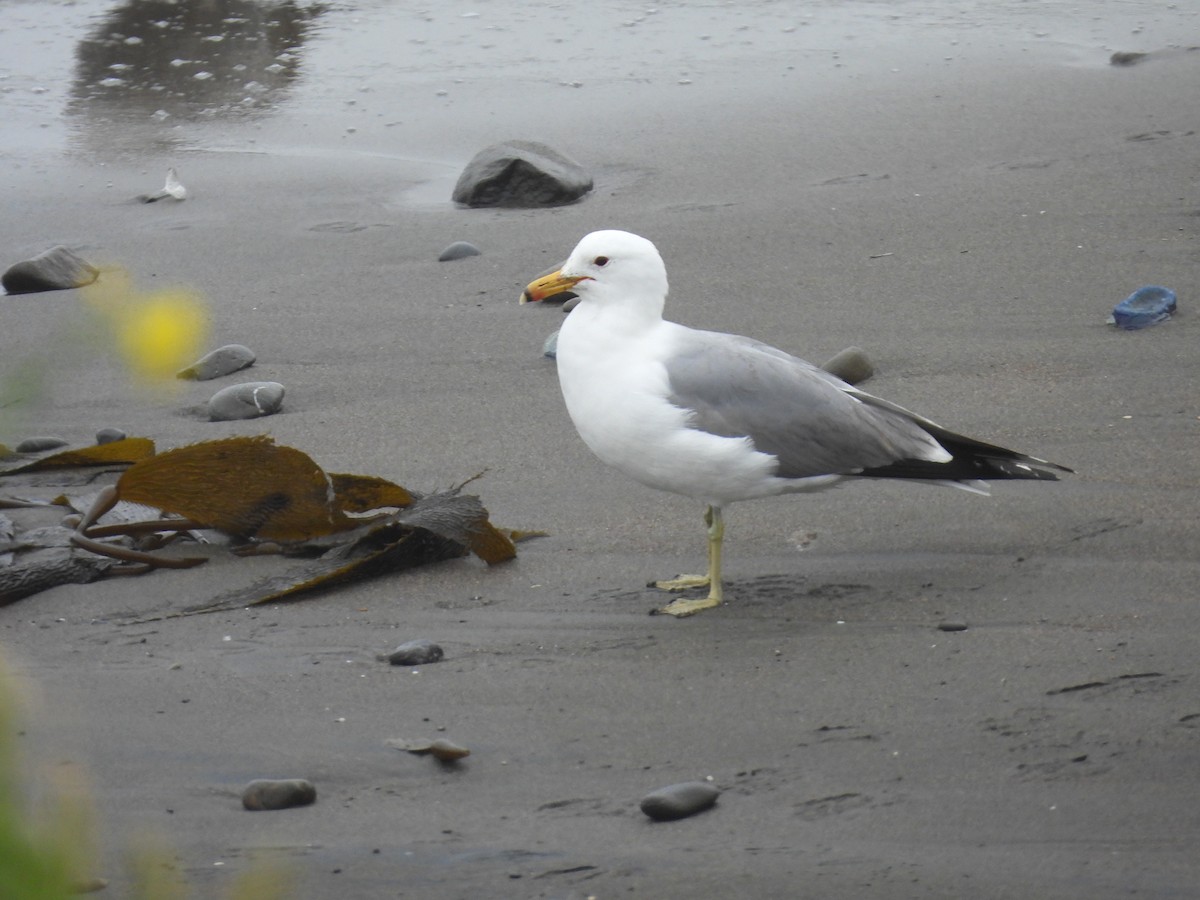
x=161, y=333
x=157, y=333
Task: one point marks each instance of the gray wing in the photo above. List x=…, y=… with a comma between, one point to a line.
x=813, y=422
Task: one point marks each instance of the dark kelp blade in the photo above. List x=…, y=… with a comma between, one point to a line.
x=491, y=544
x=434, y=528
x=25, y=579
x=124, y=451
x=412, y=547
x=243, y=486
x=363, y=493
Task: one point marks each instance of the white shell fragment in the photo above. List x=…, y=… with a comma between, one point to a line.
x=173, y=189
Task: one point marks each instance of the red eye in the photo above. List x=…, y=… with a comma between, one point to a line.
x=600, y=261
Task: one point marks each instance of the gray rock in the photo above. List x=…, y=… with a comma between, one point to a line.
x=441, y=749
x=677, y=801
x=222, y=361
x=447, y=751
x=1127, y=58
x=415, y=653
x=458, y=250
x=521, y=174
x=952, y=626
x=109, y=435
x=851, y=365
x=550, y=347
x=57, y=269
x=278, y=793
x=40, y=444
x=246, y=401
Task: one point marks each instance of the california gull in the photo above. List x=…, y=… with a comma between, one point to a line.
x=719, y=417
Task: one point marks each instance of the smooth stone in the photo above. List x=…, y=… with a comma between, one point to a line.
x=550, y=347
x=851, y=365
x=677, y=801
x=459, y=250
x=109, y=435
x=447, y=751
x=441, y=749
x=1126, y=58
x=57, y=269
x=281, y=793
x=416, y=653
x=88, y=885
x=222, y=361
x=246, y=401
x=521, y=174
x=952, y=626
x=40, y=443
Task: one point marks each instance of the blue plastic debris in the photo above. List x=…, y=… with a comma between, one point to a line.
x=1146, y=306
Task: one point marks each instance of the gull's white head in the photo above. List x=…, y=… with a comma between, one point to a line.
x=608, y=267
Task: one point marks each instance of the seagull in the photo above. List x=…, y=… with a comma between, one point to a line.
x=721, y=418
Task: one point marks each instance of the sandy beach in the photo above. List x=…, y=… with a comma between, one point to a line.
x=962, y=190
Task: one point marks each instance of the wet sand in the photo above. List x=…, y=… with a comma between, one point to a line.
x=964, y=194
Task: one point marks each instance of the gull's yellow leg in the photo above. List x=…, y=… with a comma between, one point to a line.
x=681, y=607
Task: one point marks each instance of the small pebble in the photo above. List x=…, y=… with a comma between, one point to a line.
x=851, y=365
x=550, y=347
x=222, y=361
x=40, y=444
x=441, y=749
x=677, y=801
x=416, y=653
x=109, y=435
x=1126, y=58
x=447, y=751
x=270, y=793
x=246, y=401
x=952, y=626
x=88, y=885
x=459, y=250
x=56, y=269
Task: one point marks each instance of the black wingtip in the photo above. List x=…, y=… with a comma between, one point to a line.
x=972, y=460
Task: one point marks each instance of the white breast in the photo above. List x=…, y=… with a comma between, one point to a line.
x=615, y=387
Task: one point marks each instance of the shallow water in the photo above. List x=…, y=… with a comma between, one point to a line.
x=144, y=77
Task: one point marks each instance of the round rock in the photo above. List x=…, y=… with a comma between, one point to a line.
x=415, y=653
x=447, y=751
x=678, y=801
x=1127, y=58
x=521, y=174
x=40, y=444
x=56, y=269
x=246, y=401
x=458, y=250
x=851, y=365
x=222, y=361
x=109, y=435
x=281, y=793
